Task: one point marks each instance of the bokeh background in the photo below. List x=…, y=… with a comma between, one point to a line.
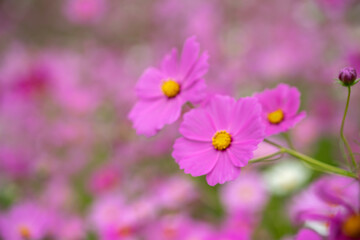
x=70, y=162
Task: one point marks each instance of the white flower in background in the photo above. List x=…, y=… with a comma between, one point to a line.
x=320, y=227
x=285, y=177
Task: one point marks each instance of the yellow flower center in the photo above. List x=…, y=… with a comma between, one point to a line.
x=221, y=140
x=351, y=227
x=24, y=232
x=276, y=117
x=170, y=88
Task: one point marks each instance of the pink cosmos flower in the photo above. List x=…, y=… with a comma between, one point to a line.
x=162, y=92
x=334, y=203
x=279, y=108
x=310, y=202
x=219, y=138
x=345, y=224
x=25, y=221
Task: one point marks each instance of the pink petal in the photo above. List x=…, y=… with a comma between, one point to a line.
x=307, y=234
x=241, y=153
x=220, y=108
x=149, y=84
x=197, y=71
x=150, y=116
x=328, y=196
x=196, y=158
x=189, y=55
x=169, y=64
x=196, y=93
x=198, y=126
x=250, y=126
x=291, y=99
x=269, y=100
x=223, y=171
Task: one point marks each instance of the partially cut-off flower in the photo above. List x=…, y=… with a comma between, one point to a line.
x=307, y=234
x=279, y=108
x=219, y=138
x=333, y=202
x=347, y=76
x=26, y=221
x=162, y=92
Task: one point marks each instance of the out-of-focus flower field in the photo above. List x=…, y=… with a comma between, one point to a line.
x=88, y=151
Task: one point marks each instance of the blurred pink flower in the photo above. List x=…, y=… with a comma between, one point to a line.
x=15, y=162
x=57, y=192
x=307, y=234
x=113, y=218
x=70, y=228
x=85, y=11
x=177, y=227
x=334, y=8
x=162, y=92
x=231, y=235
x=239, y=225
x=175, y=192
x=104, y=179
x=25, y=221
x=311, y=202
x=106, y=210
x=334, y=201
x=279, y=108
x=246, y=194
x=219, y=138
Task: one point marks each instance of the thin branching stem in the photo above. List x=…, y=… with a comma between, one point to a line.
x=343, y=138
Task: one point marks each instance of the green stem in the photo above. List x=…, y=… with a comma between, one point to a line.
x=272, y=143
x=342, y=130
x=321, y=166
x=266, y=157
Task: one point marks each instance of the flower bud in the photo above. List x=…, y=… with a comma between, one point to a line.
x=347, y=76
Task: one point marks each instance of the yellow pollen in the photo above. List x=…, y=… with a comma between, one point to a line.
x=351, y=227
x=221, y=140
x=24, y=232
x=170, y=88
x=276, y=116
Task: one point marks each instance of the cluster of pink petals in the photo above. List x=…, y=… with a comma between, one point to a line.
x=195, y=153
x=154, y=109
